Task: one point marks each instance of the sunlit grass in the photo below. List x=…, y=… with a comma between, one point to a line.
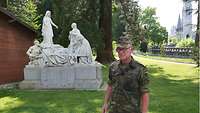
x=181, y=60
x=173, y=89
x=10, y=103
x=60, y=101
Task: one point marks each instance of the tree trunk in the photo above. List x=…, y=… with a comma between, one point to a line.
x=198, y=26
x=104, y=54
x=3, y=3
x=197, y=34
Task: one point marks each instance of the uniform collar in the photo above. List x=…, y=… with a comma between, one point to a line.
x=131, y=64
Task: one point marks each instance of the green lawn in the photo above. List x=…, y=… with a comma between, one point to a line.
x=174, y=89
x=60, y=101
x=181, y=60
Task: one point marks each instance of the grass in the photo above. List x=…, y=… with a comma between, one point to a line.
x=174, y=89
x=181, y=60
x=60, y=101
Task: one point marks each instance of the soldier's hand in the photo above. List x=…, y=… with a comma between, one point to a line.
x=105, y=108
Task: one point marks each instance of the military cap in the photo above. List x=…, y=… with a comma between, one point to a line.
x=124, y=42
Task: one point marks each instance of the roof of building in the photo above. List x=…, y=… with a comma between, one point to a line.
x=15, y=19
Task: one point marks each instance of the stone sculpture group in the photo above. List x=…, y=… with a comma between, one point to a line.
x=53, y=66
x=47, y=53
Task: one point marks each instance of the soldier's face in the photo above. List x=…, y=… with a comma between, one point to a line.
x=124, y=53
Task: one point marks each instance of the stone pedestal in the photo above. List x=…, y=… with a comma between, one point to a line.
x=78, y=76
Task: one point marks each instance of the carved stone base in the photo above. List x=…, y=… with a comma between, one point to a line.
x=78, y=76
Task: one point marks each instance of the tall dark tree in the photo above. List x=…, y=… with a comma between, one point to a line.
x=105, y=54
x=129, y=17
x=198, y=26
x=86, y=13
x=197, y=41
x=3, y=3
x=117, y=27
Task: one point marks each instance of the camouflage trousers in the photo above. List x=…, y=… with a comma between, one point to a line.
x=122, y=109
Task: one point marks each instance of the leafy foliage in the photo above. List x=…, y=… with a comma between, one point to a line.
x=143, y=46
x=195, y=55
x=65, y=12
x=117, y=27
x=185, y=43
x=26, y=11
x=129, y=18
x=173, y=40
x=153, y=31
x=86, y=13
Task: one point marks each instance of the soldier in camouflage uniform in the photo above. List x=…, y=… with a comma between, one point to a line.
x=127, y=90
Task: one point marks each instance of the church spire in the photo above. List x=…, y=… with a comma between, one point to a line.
x=179, y=27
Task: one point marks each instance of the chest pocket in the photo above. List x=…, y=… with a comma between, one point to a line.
x=126, y=78
x=131, y=81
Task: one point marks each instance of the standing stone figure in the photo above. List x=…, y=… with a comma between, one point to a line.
x=79, y=46
x=47, y=31
x=73, y=39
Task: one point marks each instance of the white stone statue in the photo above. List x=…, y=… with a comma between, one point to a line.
x=49, y=54
x=47, y=31
x=55, y=56
x=84, y=50
x=75, y=30
x=79, y=46
x=35, y=54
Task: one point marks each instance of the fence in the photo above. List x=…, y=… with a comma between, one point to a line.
x=173, y=52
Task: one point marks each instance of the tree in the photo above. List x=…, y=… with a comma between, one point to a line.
x=3, y=3
x=129, y=18
x=65, y=12
x=93, y=19
x=26, y=11
x=153, y=32
x=105, y=54
x=158, y=34
x=196, y=49
x=148, y=19
x=117, y=27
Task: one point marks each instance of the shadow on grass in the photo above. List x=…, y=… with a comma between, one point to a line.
x=52, y=101
x=169, y=95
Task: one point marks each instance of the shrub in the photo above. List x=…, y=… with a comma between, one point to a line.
x=195, y=55
x=186, y=43
x=162, y=50
x=143, y=46
x=173, y=41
